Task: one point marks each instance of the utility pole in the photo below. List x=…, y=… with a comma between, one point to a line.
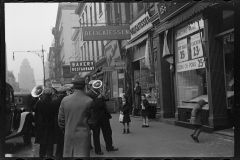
x=39, y=55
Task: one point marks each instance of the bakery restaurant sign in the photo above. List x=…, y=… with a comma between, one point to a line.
x=82, y=66
x=140, y=26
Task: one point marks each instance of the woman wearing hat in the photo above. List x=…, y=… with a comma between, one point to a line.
x=45, y=132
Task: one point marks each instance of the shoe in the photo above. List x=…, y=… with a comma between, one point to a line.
x=128, y=131
x=113, y=149
x=124, y=131
x=99, y=153
x=146, y=125
x=143, y=126
x=91, y=147
x=195, y=139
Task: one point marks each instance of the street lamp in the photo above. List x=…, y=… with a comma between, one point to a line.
x=39, y=53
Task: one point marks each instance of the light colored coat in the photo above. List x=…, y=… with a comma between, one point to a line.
x=72, y=118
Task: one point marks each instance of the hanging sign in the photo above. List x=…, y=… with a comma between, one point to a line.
x=82, y=66
x=196, y=46
x=108, y=69
x=182, y=50
x=191, y=65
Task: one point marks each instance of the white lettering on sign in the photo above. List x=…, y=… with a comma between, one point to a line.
x=189, y=29
x=191, y=65
x=196, y=46
x=182, y=50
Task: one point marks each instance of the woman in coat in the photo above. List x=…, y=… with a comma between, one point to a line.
x=196, y=119
x=44, y=119
x=137, y=91
x=125, y=110
x=145, y=110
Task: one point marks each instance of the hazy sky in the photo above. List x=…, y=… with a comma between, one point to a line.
x=27, y=27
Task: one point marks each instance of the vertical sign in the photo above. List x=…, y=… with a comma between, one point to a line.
x=196, y=46
x=182, y=50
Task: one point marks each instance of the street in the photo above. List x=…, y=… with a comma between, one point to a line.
x=159, y=140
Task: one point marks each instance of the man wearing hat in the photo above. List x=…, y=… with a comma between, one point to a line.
x=62, y=92
x=72, y=119
x=44, y=120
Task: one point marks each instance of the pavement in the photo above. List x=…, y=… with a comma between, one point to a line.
x=159, y=140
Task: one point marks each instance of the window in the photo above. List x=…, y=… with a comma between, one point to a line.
x=91, y=15
x=85, y=52
x=97, y=50
x=95, y=12
x=81, y=56
x=103, y=54
x=86, y=16
x=190, y=65
x=100, y=8
x=140, y=6
x=127, y=12
x=88, y=51
x=83, y=19
x=93, y=58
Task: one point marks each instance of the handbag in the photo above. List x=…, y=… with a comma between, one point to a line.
x=121, y=118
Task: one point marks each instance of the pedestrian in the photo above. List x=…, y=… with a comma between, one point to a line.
x=128, y=94
x=72, y=120
x=196, y=119
x=62, y=92
x=137, y=91
x=44, y=122
x=99, y=119
x=145, y=110
x=125, y=109
x=54, y=93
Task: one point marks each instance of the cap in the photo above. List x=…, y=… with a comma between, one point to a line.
x=62, y=89
x=47, y=91
x=78, y=80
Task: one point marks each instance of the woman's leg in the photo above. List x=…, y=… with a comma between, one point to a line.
x=124, y=130
x=144, y=123
x=127, y=125
x=147, y=120
x=198, y=132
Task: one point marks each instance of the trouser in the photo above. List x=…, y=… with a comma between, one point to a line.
x=46, y=150
x=59, y=150
x=104, y=125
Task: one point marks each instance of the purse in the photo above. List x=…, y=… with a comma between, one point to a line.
x=121, y=118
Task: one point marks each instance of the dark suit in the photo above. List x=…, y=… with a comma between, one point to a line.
x=45, y=132
x=99, y=119
x=59, y=134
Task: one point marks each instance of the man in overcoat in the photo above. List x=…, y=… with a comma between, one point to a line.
x=44, y=120
x=62, y=92
x=99, y=119
x=72, y=119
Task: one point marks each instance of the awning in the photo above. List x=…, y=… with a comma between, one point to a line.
x=195, y=9
x=136, y=42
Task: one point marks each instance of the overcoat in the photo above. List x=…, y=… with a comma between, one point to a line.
x=137, y=97
x=72, y=119
x=196, y=113
x=56, y=104
x=145, y=112
x=44, y=120
x=126, y=110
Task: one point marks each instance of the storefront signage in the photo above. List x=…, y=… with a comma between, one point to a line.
x=196, y=46
x=168, y=10
x=98, y=33
x=82, y=66
x=191, y=65
x=140, y=26
x=189, y=29
x=182, y=50
x=108, y=69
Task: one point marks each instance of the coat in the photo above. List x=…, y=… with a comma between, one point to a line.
x=56, y=104
x=197, y=113
x=137, y=97
x=72, y=119
x=44, y=120
x=145, y=112
x=126, y=110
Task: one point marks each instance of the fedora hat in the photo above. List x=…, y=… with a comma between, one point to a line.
x=47, y=91
x=62, y=89
x=78, y=80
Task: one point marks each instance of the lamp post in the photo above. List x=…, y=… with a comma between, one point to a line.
x=39, y=53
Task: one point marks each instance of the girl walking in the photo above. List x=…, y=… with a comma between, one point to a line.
x=196, y=119
x=145, y=110
x=125, y=110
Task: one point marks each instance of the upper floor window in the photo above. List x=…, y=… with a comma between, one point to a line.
x=83, y=19
x=86, y=16
x=140, y=6
x=95, y=12
x=100, y=8
x=90, y=15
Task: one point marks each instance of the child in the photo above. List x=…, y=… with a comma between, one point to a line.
x=196, y=119
x=125, y=109
x=145, y=110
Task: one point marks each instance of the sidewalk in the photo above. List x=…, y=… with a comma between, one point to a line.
x=163, y=140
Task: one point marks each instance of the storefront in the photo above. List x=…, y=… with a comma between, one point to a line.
x=139, y=52
x=197, y=57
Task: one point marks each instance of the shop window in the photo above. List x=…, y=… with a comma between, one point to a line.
x=190, y=63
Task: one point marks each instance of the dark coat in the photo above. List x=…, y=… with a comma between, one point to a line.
x=56, y=104
x=145, y=112
x=126, y=110
x=98, y=110
x=197, y=113
x=137, y=97
x=44, y=120
x=72, y=118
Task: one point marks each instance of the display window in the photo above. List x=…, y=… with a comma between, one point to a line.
x=190, y=63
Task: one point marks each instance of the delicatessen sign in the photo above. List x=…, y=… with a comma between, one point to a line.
x=82, y=66
x=97, y=33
